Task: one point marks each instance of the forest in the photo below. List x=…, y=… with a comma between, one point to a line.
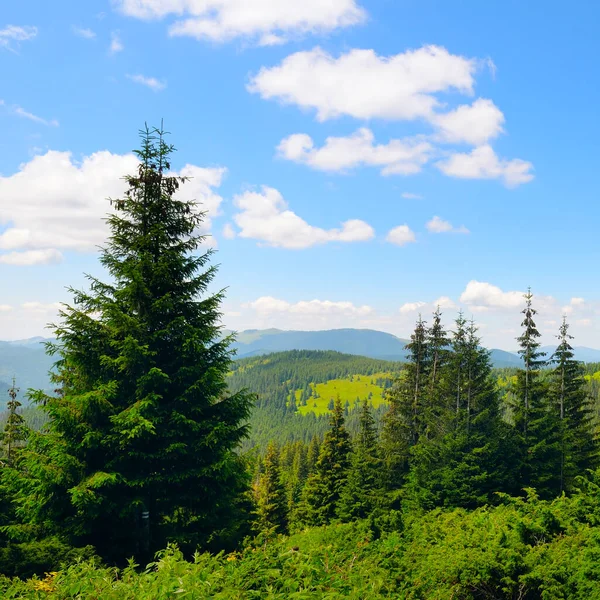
x=160, y=467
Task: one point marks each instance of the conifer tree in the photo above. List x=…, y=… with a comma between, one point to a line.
x=404, y=424
x=473, y=460
x=143, y=432
x=323, y=489
x=535, y=422
x=578, y=445
x=435, y=412
x=312, y=456
x=272, y=511
x=364, y=485
x=15, y=430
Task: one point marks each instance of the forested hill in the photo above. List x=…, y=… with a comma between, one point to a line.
x=295, y=390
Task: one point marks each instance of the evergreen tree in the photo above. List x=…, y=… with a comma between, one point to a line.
x=436, y=413
x=537, y=425
x=405, y=422
x=15, y=430
x=312, y=455
x=363, y=488
x=323, y=489
x=143, y=432
x=270, y=497
x=473, y=460
x=578, y=447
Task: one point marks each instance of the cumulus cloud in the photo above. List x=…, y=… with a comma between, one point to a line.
x=340, y=153
x=31, y=257
x=11, y=35
x=363, y=85
x=446, y=303
x=438, y=225
x=264, y=216
x=483, y=163
x=55, y=204
x=268, y=305
x=401, y=235
x=267, y=22
x=411, y=196
x=228, y=231
x=150, y=82
x=474, y=124
x=410, y=307
x=479, y=295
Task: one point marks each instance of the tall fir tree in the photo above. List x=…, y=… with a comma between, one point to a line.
x=536, y=424
x=474, y=459
x=578, y=443
x=142, y=436
x=323, y=489
x=363, y=487
x=405, y=422
x=270, y=496
x=436, y=416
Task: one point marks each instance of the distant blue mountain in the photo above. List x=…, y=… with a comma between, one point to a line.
x=363, y=342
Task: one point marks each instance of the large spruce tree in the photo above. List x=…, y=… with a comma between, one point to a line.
x=324, y=487
x=536, y=424
x=363, y=489
x=405, y=422
x=140, y=448
x=578, y=444
x=270, y=497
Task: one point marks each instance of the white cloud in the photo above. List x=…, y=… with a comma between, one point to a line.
x=575, y=304
x=363, y=85
x=5, y=307
x=483, y=163
x=264, y=216
x=438, y=225
x=84, y=32
x=474, y=124
x=401, y=235
x=151, y=82
x=265, y=21
x=411, y=196
x=31, y=257
x=21, y=112
x=445, y=303
x=55, y=204
x=228, y=231
x=479, y=295
x=116, y=45
x=268, y=305
x=11, y=34
x=410, y=307
x=339, y=153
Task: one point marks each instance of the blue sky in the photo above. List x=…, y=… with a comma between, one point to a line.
x=360, y=160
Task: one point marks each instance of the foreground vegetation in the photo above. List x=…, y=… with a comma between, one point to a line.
x=524, y=548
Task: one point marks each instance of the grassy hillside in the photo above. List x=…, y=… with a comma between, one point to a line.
x=351, y=389
x=289, y=384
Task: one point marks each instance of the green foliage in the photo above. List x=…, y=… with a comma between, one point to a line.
x=324, y=487
x=270, y=496
x=524, y=548
x=570, y=400
x=140, y=447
